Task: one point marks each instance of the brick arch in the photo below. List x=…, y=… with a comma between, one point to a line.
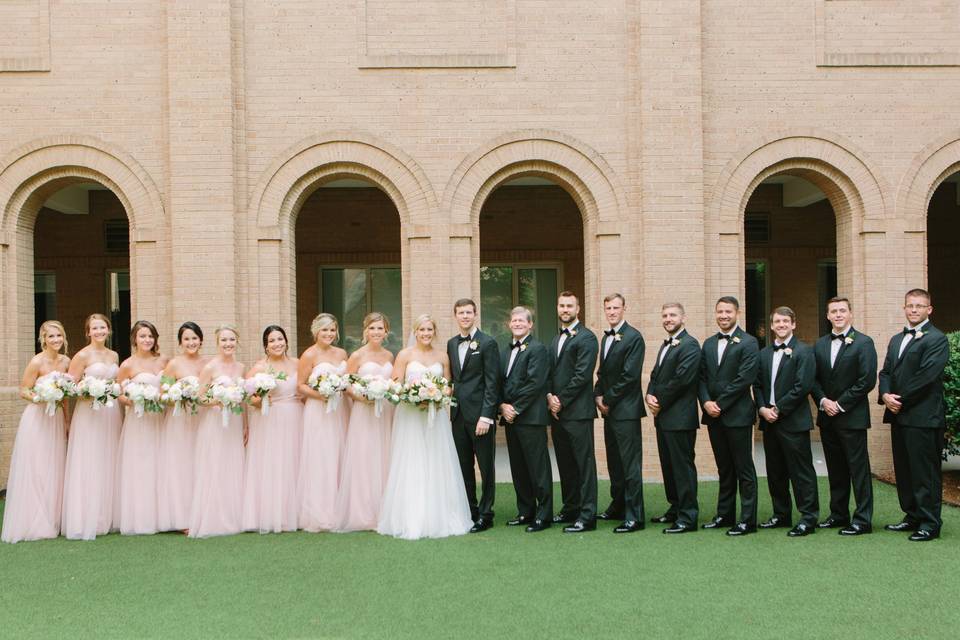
x=935, y=163
x=853, y=187
x=28, y=176
x=293, y=177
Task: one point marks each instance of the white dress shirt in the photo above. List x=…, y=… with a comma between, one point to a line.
x=777, y=357
x=608, y=340
x=463, y=346
x=666, y=347
x=908, y=337
x=835, y=346
x=722, y=344
x=564, y=336
x=513, y=354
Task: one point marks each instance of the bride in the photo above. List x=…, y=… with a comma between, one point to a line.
x=425, y=496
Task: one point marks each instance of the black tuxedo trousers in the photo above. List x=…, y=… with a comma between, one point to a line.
x=790, y=461
x=733, y=451
x=470, y=445
x=577, y=463
x=530, y=468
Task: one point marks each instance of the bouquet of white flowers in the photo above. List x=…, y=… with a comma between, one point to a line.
x=51, y=389
x=145, y=397
x=261, y=384
x=430, y=393
x=230, y=397
x=377, y=389
x=100, y=390
x=182, y=393
x=331, y=386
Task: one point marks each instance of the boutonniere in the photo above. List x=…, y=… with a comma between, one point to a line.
x=617, y=337
x=736, y=339
x=523, y=347
x=573, y=332
x=849, y=338
x=675, y=342
x=919, y=335
x=788, y=352
x=473, y=345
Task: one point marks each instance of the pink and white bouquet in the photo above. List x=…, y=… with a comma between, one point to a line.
x=230, y=396
x=181, y=394
x=260, y=385
x=378, y=390
x=331, y=386
x=101, y=391
x=430, y=393
x=51, y=389
x=145, y=397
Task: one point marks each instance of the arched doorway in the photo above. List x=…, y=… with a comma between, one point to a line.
x=348, y=260
x=943, y=249
x=790, y=242
x=81, y=260
x=531, y=248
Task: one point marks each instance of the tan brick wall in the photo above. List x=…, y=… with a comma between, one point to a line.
x=213, y=122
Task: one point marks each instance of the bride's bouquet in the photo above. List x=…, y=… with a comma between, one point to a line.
x=230, y=397
x=145, y=397
x=101, y=391
x=51, y=389
x=331, y=386
x=429, y=393
x=260, y=385
x=377, y=389
x=181, y=394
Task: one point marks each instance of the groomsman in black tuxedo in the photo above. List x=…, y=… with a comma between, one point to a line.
x=573, y=357
x=846, y=373
x=785, y=379
x=672, y=398
x=911, y=389
x=475, y=367
x=619, y=397
x=523, y=410
x=728, y=368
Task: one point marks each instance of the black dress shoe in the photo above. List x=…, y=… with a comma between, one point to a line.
x=629, y=526
x=561, y=518
x=538, y=525
x=741, y=529
x=516, y=522
x=802, y=529
x=716, y=523
x=902, y=526
x=609, y=515
x=856, y=530
x=481, y=525
x=833, y=523
x=775, y=522
x=923, y=535
x=680, y=527
x=580, y=526
x=664, y=519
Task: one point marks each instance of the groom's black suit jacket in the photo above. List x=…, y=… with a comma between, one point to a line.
x=526, y=386
x=917, y=377
x=475, y=386
x=571, y=374
x=852, y=376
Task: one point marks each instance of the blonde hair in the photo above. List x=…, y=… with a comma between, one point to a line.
x=90, y=319
x=522, y=311
x=423, y=319
x=227, y=327
x=323, y=321
x=370, y=318
x=42, y=334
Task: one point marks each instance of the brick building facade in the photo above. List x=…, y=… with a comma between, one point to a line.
x=269, y=158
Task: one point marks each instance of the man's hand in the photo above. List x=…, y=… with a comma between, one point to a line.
x=654, y=404
x=482, y=428
x=553, y=403
x=604, y=409
x=712, y=408
x=830, y=407
x=508, y=412
x=769, y=414
x=892, y=402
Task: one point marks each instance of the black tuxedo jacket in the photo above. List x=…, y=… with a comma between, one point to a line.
x=618, y=376
x=526, y=386
x=917, y=377
x=674, y=382
x=475, y=386
x=728, y=382
x=571, y=374
x=852, y=377
x=795, y=379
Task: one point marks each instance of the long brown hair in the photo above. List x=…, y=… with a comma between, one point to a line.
x=144, y=324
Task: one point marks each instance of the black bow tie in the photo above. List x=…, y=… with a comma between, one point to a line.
x=565, y=331
x=723, y=336
x=837, y=336
x=462, y=339
x=667, y=341
x=610, y=332
x=517, y=344
x=912, y=332
x=779, y=347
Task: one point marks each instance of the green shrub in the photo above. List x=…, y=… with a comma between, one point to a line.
x=951, y=389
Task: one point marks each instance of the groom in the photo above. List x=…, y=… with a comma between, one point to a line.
x=475, y=367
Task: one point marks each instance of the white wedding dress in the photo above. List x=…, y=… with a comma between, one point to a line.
x=425, y=497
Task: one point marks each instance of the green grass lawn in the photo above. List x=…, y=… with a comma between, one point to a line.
x=503, y=582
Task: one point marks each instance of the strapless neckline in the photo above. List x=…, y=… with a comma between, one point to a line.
x=415, y=373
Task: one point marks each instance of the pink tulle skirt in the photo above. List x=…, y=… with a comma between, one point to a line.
x=271, y=468
x=324, y=435
x=218, y=476
x=137, y=467
x=178, y=444
x=363, y=476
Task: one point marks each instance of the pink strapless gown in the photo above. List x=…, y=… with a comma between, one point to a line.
x=178, y=446
x=89, y=486
x=35, y=483
x=272, y=462
x=137, y=467
x=324, y=435
x=218, y=475
x=366, y=454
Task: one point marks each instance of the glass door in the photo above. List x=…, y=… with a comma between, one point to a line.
x=503, y=287
x=350, y=293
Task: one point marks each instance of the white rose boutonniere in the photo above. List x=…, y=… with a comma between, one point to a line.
x=573, y=332
x=523, y=347
x=848, y=339
x=736, y=339
x=788, y=352
x=920, y=334
x=675, y=342
x=617, y=337
x=473, y=345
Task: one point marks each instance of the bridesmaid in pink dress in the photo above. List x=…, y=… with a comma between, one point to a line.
x=137, y=466
x=178, y=437
x=89, y=483
x=363, y=475
x=218, y=472
x=35, y=483
x=324, y=428
x=273, y=447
